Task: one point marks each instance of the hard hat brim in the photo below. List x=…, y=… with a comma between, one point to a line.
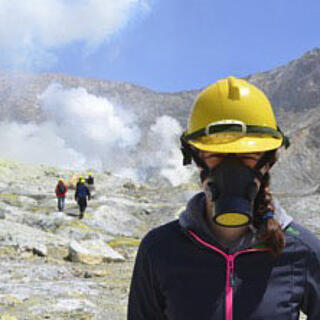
x=245, y=144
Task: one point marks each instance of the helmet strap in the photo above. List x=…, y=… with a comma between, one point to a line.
x=190, y=154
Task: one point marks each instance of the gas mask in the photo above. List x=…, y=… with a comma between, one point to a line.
x=233, y=187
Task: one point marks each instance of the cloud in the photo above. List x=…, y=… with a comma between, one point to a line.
x=31, y=30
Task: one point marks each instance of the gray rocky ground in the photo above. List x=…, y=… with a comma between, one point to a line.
x=55, y=266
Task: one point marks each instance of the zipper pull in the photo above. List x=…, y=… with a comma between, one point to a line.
x=232, y=281
x=231, y=274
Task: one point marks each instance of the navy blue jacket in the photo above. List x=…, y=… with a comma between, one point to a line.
x=181, y=274
x=82, y=191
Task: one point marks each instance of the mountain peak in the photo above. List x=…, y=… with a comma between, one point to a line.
x=294, y=86
x=313, y=53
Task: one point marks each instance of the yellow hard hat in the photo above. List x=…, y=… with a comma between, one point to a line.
x=233, y=116
x=89, y=174
x=83, y=180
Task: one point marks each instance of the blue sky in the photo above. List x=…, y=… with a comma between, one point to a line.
x=172, y=45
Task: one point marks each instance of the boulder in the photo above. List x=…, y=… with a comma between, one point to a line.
x=92, y=252
x=115, y=219
x=52, y=221
x=27, y=238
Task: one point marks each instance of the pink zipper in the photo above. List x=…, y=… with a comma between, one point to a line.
x=229, y=287
x=229, y=270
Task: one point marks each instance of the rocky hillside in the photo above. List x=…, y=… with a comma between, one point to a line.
x=294, y=87
x=19, y=96
x=294, y=90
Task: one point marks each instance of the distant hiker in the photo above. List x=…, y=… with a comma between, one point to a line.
x=61, y=191
x=90, y=179
x=90, y=183
x=81, y=195
x=79, y=181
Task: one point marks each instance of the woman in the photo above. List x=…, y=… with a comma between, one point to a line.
x=234, y=253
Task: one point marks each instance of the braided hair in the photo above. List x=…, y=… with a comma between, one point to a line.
x=270, y=229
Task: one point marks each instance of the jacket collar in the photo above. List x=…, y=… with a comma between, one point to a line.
x=194, y=218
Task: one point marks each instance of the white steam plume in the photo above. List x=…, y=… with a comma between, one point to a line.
x=161, y=155
x=85, y=131
x=33, y=143
x=90, y=125
x=30, y=30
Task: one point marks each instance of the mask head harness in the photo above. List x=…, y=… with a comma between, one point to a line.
x=231, y=185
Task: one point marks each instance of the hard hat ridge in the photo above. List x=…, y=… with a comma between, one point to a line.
x=234, y=89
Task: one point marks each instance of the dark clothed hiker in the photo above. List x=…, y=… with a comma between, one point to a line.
x=90, y=179
x=81, y=195
x=90, y=184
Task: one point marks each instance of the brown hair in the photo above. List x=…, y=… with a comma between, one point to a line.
x=270, y=229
